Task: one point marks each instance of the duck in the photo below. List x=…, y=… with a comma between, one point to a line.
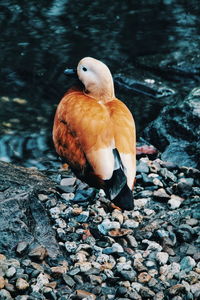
x=94, y=133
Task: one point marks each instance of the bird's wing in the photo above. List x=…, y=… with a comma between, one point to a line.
x=124, y=137
x=83, y=134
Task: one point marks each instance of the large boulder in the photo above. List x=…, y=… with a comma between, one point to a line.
x=176, y=132
x=23, y=217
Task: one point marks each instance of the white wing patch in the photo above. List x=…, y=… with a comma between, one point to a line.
x=102, y=161
x=129, y=165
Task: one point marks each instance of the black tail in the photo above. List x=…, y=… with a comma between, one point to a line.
x=116, y=188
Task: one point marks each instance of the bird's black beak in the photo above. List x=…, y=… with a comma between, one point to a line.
x=70, y=72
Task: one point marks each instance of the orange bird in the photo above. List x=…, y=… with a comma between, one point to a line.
x=94, y=133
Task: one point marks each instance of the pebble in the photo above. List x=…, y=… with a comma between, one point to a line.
x=81, y=294
x=68, y=181
x=10, y=272
x=162, y=257
x=152, y=245
x=130, y=224
x=187, y=263
x=68, y=196
x=107, y=225
x=71, y=246
x=148, y=253
x=141, y=203
x=22, y=284
x=22, y=247
x=144, y=277
x=2, y=282
x=161, y=195
x=142, y=166
x=5, y=295
x=38, y=252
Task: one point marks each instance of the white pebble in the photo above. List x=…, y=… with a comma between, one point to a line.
x=130, y=224
x=68, y=196
x=140, y=203
x=162, y=257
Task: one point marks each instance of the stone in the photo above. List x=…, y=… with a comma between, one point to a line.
x=161, y=195
x=5, y=295
x=22, y=284
x=132, y=241
x=42, y=197
x=38, y=253
x=118, y=216
x=162, y=257
x=187, y=263
x=192, y=222
x=2, y=282
x=68, y=280
x=107, y=225
x=130, y=224
x=144, y=277
x=178, y=146
x=71, y=246
x=22, y=247
x=81, y=294
x=82, y=217
x=68, y=181
x=58, y=270
x=68, y=196
x=129, y=275
x=152, y=245
x=175, y=202
x=10, y=272
x=142, y=166
x=140, y=203
x=176, y=289
x=145, y=292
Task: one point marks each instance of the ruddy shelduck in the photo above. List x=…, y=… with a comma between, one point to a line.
x=94, y=133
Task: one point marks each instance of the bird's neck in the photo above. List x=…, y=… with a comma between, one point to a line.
x=101, y=93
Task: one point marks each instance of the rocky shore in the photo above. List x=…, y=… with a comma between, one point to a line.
x=152, y=252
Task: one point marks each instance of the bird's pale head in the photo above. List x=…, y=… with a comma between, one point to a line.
x=97, y=79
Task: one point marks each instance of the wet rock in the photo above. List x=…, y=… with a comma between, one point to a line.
x=22, y=284
x=82, y=217
x=2, y=282
x=130, y=224
x=142, y=166
x=10, y=272
x=145, y=292
x=141, y=203
x=176, y=289
x=187, y=263
x=107, y=225
x=71, y=246
x=115, y=233
x=68, y=181
x=175, y=202
x=38, y=252
x=179, y=146
x=144, y=277
x=68, y=280
x=5, y=295
x=22, y=247
x=161, y=195
x=81, y=294
x=128, y=275
x=162, y=257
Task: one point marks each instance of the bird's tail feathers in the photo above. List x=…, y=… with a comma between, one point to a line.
x=116, y=187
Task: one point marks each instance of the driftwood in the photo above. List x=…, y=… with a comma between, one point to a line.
x=22, y=215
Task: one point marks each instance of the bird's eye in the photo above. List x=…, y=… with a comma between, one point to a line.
x=84, y=69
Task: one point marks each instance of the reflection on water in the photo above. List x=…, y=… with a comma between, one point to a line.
x=40, y=38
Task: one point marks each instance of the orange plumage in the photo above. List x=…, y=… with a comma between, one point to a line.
x=95, y=133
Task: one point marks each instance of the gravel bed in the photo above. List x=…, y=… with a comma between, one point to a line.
x=152, y=252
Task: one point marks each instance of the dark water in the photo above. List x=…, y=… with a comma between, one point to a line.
x=40, y=38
